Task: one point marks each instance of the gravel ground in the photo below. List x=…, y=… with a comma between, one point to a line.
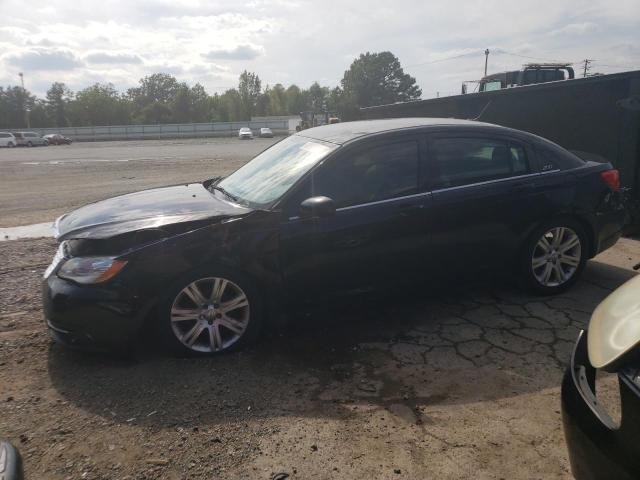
x=452, y=384
x=455, y=385
x=40, y=184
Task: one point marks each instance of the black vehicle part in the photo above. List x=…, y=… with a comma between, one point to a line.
x=598, y=449
x=10, y=462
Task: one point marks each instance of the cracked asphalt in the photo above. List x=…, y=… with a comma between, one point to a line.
x=455, y=382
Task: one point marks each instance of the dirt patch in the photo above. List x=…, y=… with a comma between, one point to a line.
x=463, y=384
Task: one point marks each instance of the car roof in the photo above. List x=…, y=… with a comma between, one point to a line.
x=344, y=132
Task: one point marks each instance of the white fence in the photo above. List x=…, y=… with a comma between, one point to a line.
x=171, y=130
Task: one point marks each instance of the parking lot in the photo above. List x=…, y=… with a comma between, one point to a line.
x=458, y=381
x=41, y=183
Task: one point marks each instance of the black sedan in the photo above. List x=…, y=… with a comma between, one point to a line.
x=599, y=447
x=333, y=209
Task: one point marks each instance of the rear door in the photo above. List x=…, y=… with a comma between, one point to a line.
x=484, y=199
x=380, y=232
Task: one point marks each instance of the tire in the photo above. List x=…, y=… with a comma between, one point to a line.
x=188, y=329
x=10, y=145
x=45, y=143
x=555, y=270
x=29, y=144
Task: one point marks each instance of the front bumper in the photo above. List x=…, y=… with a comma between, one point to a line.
x=92, y=317
x=598, y=449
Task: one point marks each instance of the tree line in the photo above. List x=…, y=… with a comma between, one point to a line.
x=372, y=79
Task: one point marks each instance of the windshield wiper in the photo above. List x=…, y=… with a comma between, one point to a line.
x=220, y=189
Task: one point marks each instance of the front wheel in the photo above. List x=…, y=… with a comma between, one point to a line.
x=29, y=144
x=554, y=257
x=10, y=145
x=211, y=314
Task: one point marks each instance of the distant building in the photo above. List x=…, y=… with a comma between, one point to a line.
x=294, y=120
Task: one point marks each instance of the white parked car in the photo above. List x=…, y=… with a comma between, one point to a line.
x=7, y=140
x=245, y=132
x=266, y=133
x=29, y=139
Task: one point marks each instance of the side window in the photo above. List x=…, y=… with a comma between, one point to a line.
x=493, y=85
x=377, y=173
x=548, y=161
x=462, y=161
x=519, y=159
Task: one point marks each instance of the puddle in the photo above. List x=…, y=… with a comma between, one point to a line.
x=37, y=230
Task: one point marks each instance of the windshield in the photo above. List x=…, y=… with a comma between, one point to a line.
x=268, y=176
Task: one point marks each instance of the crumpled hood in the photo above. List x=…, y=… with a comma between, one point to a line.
x=148, y=209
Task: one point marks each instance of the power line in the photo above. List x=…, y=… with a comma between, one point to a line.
x=504, y=52
x=613, y=66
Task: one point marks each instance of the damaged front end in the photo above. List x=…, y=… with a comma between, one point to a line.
x=113, y=266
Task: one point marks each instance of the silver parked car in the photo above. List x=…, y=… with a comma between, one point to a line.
x=266, y=133
x=30, y=139
x=7, y=139
x=245, y=132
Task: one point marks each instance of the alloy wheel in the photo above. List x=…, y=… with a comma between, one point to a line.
x=556, y=256
x=210, y=315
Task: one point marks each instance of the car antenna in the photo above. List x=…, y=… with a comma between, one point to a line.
x=481, y=111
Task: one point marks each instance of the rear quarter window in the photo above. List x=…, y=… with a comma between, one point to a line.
x=551, y=157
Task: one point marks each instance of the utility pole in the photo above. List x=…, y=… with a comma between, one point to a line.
x=587, y=66
x=24, y=100
x=486, y=61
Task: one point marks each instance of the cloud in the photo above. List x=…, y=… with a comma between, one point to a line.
x=290, y=41
x=240, y=52
x=113, y=58
x=576, y=29
x=45, y=59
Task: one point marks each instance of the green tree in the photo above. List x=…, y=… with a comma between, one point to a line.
x=378, y=79
x=181, y=105
x=343, y=104
x=249, y=87
x=58, y=98
x=100, y=104
x=153, y=97
x=295, y=100
x=15, y=103
x=316, y=97
x=200, y=104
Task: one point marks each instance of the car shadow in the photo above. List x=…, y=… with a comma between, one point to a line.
x=404, y=352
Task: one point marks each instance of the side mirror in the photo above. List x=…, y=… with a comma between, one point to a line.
x=10, y=462
x=317, y=207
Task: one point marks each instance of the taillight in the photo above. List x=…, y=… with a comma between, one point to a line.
x=612, y=179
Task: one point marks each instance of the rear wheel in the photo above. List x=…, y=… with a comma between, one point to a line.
x=29, y=144
x=554, y=257
x=211, y=313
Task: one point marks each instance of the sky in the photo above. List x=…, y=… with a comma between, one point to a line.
x=292, y=41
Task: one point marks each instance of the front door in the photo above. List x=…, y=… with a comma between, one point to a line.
x=379, y=234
